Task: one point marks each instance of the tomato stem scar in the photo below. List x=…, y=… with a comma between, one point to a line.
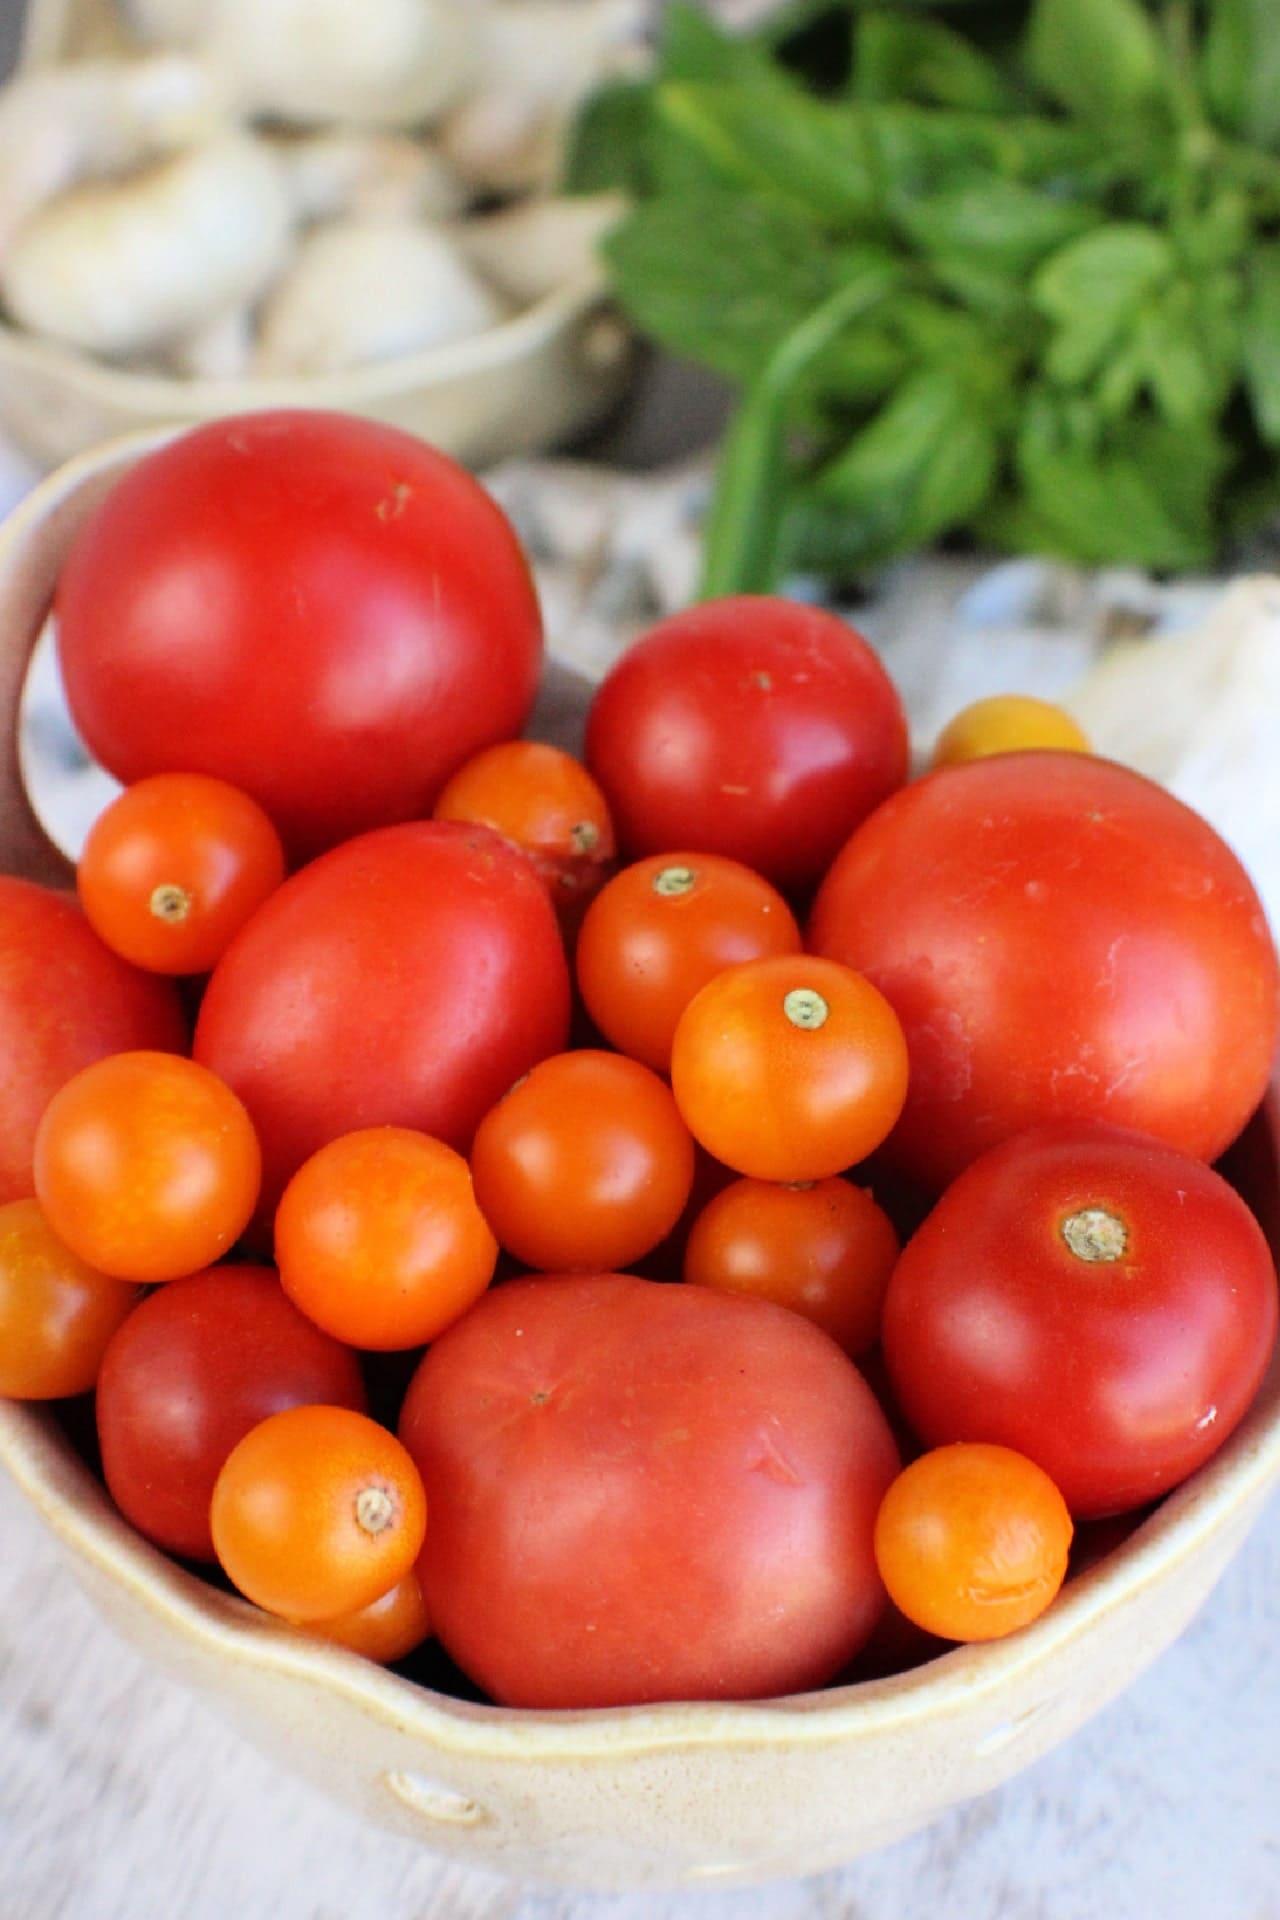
x=171, y=903
x=1095, y=1235
x=805, y=1008
x=584, y=837
x=375, y=1510
x=673, y=881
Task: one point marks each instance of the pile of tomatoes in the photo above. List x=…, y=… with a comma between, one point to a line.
x=474, y=1181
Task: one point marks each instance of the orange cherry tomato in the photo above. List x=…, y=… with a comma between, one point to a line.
x=390, y=1629
x=174, y=868
x=659, y=931
x=318, y=1512
x=972, y=1541
x=585, y=1165
x=147, y=1166
x=825, y=1250
x=379, y=1239
x=544, y=801
x=57, y=1315
x=1007, y=723
x=789, y=1069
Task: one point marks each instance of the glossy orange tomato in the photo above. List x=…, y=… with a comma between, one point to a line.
x=544, y=801
x=57, y=1315
x=972, y=1542
x=147, y=1166
x=318, y=1512
x=789, y=1069
x=174, y=868
x=662, y=929
x=824, y=1249
x=1007, y=723
x=379, y=1239
x=387, y=1630
x=585, y=1165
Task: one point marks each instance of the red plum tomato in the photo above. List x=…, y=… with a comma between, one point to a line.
x=1061, y=940
x=1089, y=1298
x=407, y=979
x=192, y=1370
x=642, y=1492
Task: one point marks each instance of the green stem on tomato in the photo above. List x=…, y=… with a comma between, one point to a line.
x=743, y=544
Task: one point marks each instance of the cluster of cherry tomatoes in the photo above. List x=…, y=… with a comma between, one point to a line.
x=1009, y=1011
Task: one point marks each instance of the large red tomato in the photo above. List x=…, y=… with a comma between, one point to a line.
x=190, y=1372
x=1092, y=1299
x=65, y=1001
x=641, y=1492
x=406, y=979
x=320, y=610
x=1059, y=938
x=754, y=728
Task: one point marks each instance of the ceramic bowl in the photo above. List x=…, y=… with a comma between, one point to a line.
x=528, y=383
x=651, y=1796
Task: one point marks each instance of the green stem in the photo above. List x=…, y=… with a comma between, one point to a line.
x=744, y=536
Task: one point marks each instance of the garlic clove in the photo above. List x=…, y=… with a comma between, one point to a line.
x=221, y=349
x=530, y=250
x=365, y=291
x=121, y=267
x=375, y=175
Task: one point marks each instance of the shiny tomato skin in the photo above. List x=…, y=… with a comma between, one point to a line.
x=751, y=727
x=192, y=1370
x=610, y=1524
x=1119, y=1370
x=321, y=610
x=407, y=979
x=1060, y=939
x=65, y=1001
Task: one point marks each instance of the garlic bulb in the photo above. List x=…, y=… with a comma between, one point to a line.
x=165, y=23
x=355, y=63
x=369, y=174
x=363, y=291
x=62, y=125
x=122, y=267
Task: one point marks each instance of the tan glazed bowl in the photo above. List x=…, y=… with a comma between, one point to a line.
x=651, y=1796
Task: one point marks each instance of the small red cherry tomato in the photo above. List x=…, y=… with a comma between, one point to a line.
x=57, y=1315
x=789, y=1069
x=1094, y=1300
x=661, y=930
x=147, y=1166
x=174, y=868
x=822, y=1248
x=755, y=728
x=545, y=802
x=318, y=1512
x=192, y=1370
x=585, y=1164
x=972, y=1542
x=379, y=1239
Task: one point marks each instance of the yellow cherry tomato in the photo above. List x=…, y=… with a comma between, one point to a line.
x=1007, y=723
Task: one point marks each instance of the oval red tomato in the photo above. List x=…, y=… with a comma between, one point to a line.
x=322, y=611
x=755, y=728
x=1093, y=1300
x=65, y=1001
x=406, y=979
x=1059, y=938
x=611, y=1522
x=191, y=1371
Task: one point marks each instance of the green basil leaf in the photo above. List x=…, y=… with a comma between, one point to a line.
x=1240, y=68
x=609, y=145
x=810, y=153
x=1107, y=273
x=1100, y=58
x=997, y=224
x=897, y=58
x=1260, y=342
x=1182, y=382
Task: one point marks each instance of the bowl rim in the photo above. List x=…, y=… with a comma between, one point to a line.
x=76, y=1506
x=170, y=396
